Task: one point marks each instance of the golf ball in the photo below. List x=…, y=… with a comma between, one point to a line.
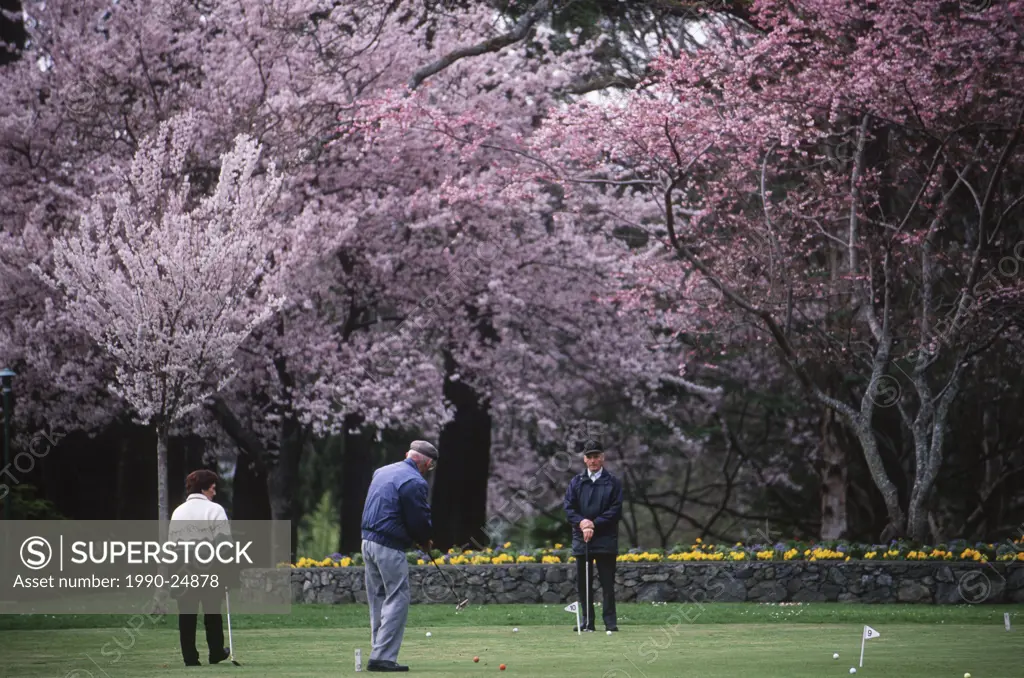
x=428, y=634
x=967, y=675
x=853, y=670
x=608, y=632
x=515, y=630
x=501, y=668
x=476, y=659
x=835, y=655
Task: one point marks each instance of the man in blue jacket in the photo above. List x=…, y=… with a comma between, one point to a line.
x=396, y=517
x=593, y=504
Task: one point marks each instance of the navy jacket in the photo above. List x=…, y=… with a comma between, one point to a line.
x=601, y=502
x=396, y=513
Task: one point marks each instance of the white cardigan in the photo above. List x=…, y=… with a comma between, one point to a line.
x=197, y=507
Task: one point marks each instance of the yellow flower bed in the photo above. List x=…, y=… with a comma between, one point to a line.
x=1008, y=552
x=696, y=555
x=638, y=558
x=972, y=554
x=326, y=562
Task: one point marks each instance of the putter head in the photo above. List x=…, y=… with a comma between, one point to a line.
x=462, y=604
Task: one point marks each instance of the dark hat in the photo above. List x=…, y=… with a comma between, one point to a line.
x=588, y=446
x=424, y=448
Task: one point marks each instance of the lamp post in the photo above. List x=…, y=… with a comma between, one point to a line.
x=6, y=377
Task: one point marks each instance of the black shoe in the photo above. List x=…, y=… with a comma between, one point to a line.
x=226, y=654
x=576, y=629
x=385, y=665
x=192, y=662
x=613, y=629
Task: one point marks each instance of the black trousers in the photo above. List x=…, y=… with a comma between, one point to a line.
x=606, y=574
x=188, y=617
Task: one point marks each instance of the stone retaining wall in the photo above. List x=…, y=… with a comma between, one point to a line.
x=854, y=582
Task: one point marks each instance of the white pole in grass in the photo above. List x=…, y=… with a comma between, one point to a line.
x=575, y=607
x=1006, y=620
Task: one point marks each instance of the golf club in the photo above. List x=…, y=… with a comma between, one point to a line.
x=231, y=642
x=463, y=602
x=586, y=551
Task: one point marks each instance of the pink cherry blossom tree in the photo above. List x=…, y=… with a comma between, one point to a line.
x=169, y=283
x=843, y=177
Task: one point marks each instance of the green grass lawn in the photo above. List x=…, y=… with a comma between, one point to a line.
x=720, y=640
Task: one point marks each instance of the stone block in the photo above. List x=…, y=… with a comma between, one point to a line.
x=831, y=591
x=550, y=597
x=654, y=576
x=768, y=591
x=555, y=575
x=809, y=596
x=911, y=591
x=881, y=594
x=655, y=591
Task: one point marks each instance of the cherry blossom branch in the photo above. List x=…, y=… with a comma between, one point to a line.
x=1000, y=167
x=497, y=43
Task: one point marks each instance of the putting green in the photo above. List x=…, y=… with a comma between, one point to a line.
x=654, y=642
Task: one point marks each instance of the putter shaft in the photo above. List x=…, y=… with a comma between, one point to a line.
x=463, y=602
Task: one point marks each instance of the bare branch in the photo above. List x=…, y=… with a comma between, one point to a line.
x=518, y=32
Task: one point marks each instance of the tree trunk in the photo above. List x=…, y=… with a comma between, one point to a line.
x=163, y=512
x=357, y=466
x=897, y=526
x=123, y=509
x=917, y=511
x=250, y=500
x=459, y=509
x=185, y=454
x=281, y=476
x=834, y=524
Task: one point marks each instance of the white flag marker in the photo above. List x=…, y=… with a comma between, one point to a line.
x=868, y=634
x=1006, y=620
x=575, y=607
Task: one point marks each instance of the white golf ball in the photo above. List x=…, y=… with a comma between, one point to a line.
x=608, y=632
x=515, y=630
x=967, y=675
x=835, y=655
x=853, y=670
x=428, y=634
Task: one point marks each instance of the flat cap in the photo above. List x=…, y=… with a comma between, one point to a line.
x=424, y=448
x=588, y=446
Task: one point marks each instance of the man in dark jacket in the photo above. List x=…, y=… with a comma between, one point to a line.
x=396, y=517
x=593, y=504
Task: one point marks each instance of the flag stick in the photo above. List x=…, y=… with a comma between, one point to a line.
x=863, y=639
x=579, y=630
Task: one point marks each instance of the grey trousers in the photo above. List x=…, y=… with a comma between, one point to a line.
x=387, y=592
